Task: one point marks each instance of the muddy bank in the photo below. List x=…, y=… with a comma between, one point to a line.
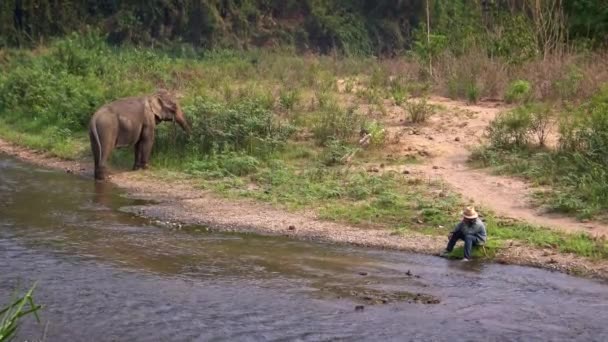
x=180, y=202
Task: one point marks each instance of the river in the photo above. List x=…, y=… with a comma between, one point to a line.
x=105, y=274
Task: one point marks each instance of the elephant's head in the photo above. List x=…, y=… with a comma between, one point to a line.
x=165, y=107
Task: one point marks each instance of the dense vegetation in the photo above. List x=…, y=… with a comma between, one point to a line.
x=281, y=126
x=352, y=27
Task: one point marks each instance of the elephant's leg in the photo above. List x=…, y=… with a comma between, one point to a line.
x=137, y=162
x=96, y=150
x=106, y=150
x=146, y=142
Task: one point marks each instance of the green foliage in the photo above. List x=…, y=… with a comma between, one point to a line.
x=351, y=27
x=576, y=172
x=568, y=86
x=459, y=21
x=515, y=39
x=518, y=127
x=336, y=123
x=346, y=32
x=518, y=91
x=427, y=48
x=588, y=20
x=462, y=83
x=12, y=314
x=473, y=92
x=377, y=131
x=288, y=99
x=242, y=126
x=510, y=129
x=222, y=165
x=398, y=91
x=585, y=129
x=325, y=26
x=336, y=153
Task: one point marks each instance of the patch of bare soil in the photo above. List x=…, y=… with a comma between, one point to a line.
x=446, y=140
x=181, y=202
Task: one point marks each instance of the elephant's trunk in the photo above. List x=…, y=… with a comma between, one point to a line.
x=181, y=120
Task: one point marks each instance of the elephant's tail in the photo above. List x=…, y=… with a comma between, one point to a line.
x=95, y=143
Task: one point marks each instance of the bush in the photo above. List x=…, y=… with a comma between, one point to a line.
x=519, y=91
x=518, y=127
x=542, y=121
x=473, y=92
x=377, y=131
x=336, y=153
x=336, y=123
x=568, y=86
x=577, y=171
x=288, y=99
x=398, y=91
x=510, y=129
x=585, y=129
x=244, y=126
x=419, y=110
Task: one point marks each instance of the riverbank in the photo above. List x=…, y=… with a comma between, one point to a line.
x=181, y=201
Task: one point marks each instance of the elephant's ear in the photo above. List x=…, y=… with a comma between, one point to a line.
x=167, y=100
x=155, y=106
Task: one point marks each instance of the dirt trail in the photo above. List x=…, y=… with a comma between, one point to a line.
x=447, y=140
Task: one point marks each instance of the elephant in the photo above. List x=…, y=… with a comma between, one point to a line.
x=129, y=122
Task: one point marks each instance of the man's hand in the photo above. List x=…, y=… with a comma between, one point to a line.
x=450, y=235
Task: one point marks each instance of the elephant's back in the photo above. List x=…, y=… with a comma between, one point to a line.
x=126, y=105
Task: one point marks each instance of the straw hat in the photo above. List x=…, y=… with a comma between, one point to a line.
x=470, y=213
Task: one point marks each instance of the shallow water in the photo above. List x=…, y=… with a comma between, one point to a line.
x=106, y=275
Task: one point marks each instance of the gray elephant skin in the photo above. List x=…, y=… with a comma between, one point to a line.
x=131, y=121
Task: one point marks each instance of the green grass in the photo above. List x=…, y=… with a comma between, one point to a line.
x=45, y=140
x=574, y=185
x=574, y=170
x=12, y=314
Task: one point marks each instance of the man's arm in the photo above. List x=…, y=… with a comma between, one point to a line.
x=481, y=230
x=456, y=229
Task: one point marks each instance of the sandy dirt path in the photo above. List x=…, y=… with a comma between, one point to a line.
x=447, y=140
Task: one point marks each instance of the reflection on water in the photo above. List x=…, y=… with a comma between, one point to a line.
x=105, y=275
x=103, y=193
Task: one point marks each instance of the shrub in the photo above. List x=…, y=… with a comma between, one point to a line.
x=541, y=121
x=288, y=99
x=518, y=92
x=336, y=152
x=518, y=127
x=419, y=110
x=35, y=93
x=510, y=129
x=568, y=86
x=377, y=131
x=399, y=96
x=418, y=89
x=336, y=123
x=585, y=129
x=473, y=92
x=243, y=126
x=398, y=91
